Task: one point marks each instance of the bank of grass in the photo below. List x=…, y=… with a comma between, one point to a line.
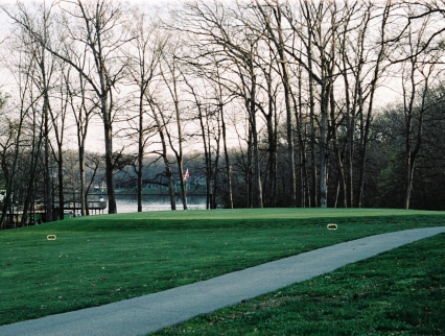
x=102, y=259
x=400, y=292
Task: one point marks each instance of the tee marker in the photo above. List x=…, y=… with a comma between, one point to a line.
x=332, y=226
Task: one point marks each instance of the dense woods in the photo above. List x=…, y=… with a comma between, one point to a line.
x=267, y=103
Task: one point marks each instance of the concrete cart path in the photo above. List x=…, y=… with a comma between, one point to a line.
x=143, y=315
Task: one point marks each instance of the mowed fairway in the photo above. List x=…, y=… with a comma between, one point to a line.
x=101, y=259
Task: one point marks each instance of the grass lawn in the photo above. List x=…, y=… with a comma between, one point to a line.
x=400, y=292
x=102, y=259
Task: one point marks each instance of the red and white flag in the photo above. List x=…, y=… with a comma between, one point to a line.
x=186, y=175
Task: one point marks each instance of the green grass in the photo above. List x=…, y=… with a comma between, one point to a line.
x=401, y=292
x=102, y=259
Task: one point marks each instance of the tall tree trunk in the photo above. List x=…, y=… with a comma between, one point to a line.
x=372, y=90
x=323, y=148
x=140, y=163
x=226, y=150
x=256, y=157
x=338, y=155
x=279, y=44
x=109, y=164
x=49, y=204
x=301, y=135
x=161, y=126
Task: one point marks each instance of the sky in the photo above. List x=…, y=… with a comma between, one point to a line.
x=388, y=95
x=7, y=84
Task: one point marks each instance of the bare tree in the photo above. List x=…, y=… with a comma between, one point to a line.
x=418, y=70
x=10, y=141
x=98, y=27
x=43, y=79
x=171, y=75
x=83, y=105
x=273, y=23
x=205, y=112
x=42, y=75
x=144, y=69
x=210, y=23
x=162, y=122
x=368, y=95
x=22, y=143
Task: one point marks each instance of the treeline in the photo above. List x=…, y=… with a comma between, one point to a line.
x=285, y=102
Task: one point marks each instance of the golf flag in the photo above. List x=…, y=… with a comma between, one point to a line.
x=186, y=175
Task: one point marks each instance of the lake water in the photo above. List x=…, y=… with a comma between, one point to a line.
x=129, y=203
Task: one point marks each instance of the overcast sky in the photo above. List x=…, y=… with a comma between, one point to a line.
x=386, y=94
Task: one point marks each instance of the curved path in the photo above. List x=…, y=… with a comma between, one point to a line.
x=143, y=315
